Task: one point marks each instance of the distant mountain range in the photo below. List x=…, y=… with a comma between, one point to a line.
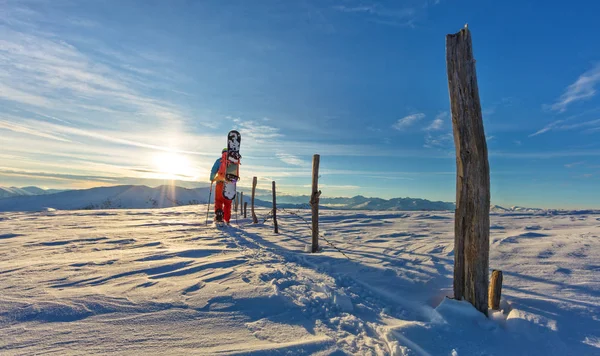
x=140, y=197
x=165, y=196
x=8, y=192
x=514, y=209
x=363, y=203
x=116, y=197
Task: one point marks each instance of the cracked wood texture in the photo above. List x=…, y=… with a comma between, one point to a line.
x=472, y=216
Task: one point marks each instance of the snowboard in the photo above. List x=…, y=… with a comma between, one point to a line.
x=234, y=139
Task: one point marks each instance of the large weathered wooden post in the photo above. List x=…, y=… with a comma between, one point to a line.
x=275, y=227
x=472, y=217
x=314, y=203
x=254, y=218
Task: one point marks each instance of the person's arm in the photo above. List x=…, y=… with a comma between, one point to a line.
x=214, y=170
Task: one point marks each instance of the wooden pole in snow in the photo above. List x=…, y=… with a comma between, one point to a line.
x=314, y=203
x=245, y=209
x=254, y=218
x=275, y=227
x=472, y=216
x=495, y=291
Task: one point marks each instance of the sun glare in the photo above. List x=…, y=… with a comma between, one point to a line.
x=172, y=165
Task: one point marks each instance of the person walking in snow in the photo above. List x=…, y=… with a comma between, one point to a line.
x=217, y=174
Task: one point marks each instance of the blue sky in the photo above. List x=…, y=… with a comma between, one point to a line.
x=102, y=93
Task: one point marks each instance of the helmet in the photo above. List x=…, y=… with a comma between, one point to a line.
x=224, y=150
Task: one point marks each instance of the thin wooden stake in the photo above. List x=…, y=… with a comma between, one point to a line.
x=472, y=218
x=241, y=202
x=254, y=218
x=245, y=209
x=276, y=228
x=314, y=203
x=495, y=291
x=236, y=201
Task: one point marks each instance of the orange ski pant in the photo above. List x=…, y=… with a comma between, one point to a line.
x=222, y=203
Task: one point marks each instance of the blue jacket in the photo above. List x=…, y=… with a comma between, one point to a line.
x=215, y=169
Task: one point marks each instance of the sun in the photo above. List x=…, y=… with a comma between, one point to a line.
x=172, y=165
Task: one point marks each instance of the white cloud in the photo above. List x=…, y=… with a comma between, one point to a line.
x=440, y=141
x=580, y=124
x=574, y=164
x=438, y=122
x=401, y=14
x=407, y=121
x=331, y=186
x=256, y=130
x=292, y=160
x=30, y=131
x=583, y=88
x=556, y=126
x=547, y=128
x=43, y=70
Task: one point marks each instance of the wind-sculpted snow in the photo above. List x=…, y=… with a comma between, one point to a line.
x=159, y=281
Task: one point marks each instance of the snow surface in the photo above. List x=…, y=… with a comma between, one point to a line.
x=159, y=281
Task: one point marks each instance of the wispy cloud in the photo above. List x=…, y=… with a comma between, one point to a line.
x=439, y=141
x=559, y=125
x=546, y=154
x=595, y=129
x=591, y=123
x=257, y=130
x=53, y=131
x=438, y=123
x=574, y=164
x=43, y=70
x=546, y=128
x=332, y=186
x=400, y=14
x=583, y=88
x=291, y=159
x=407, y=121
x=5, y=125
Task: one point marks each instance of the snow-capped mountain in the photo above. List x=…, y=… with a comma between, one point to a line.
x=8, y=192
x=363, y=203
x=166, y=196
x=140, y=197
x=514, y=209
x=123, y=196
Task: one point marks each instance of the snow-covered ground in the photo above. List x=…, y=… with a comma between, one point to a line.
x=161, y=282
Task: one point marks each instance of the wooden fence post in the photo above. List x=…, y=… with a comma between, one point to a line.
x=276, y=228
x=254, y=219
x=495, y=291
x=235, y=205
x=472, y=216
x=314, y=203
x=245, y=209
x=241, y=202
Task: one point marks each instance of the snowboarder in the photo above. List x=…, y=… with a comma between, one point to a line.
x=222, y=205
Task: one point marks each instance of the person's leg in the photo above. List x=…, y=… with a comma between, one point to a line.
x=226, y=210
x=219, y=200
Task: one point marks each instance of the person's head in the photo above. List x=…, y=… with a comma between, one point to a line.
x=224, y=150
